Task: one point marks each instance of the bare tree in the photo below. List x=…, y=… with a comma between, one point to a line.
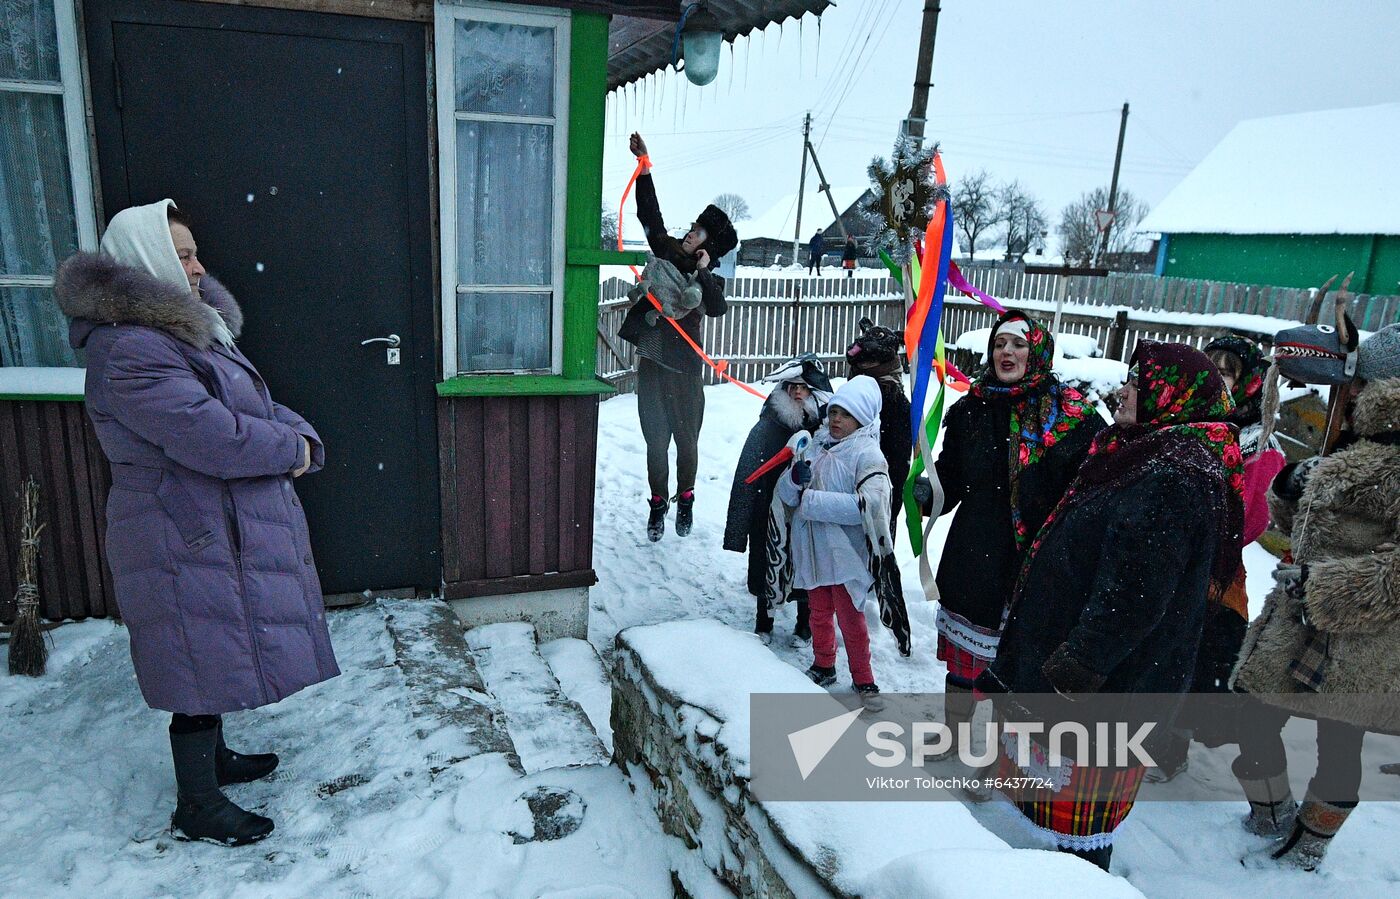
x=734, y=206
x=608, y=238
x=1021, y=214
x=1079, y=228
x=974, y=209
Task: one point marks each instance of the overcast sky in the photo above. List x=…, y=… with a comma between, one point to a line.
x=1026, y=89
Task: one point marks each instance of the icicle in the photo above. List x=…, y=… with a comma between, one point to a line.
x=729, y=88
x=816, y=70
x=748, y=51
x=799, y=46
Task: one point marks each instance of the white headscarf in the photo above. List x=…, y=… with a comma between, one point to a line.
x=139, y=236
x=860, y=396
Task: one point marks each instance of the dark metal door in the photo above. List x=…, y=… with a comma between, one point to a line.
x=298, y=144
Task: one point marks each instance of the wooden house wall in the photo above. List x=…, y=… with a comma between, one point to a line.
x=54, y=443
x=517, y=493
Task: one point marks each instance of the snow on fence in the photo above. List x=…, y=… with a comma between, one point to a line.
x=771, y=319
x=1152, y=293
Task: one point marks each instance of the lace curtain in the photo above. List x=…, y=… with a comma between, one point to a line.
x=37, y=225
x=505, y=138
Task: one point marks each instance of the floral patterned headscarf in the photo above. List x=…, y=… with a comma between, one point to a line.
x=1248, y=393
x=1182, y=414
x=1043, y=410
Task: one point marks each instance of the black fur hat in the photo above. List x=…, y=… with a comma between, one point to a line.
x=721, y=236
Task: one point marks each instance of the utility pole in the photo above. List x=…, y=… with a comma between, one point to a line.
x=923, y=73
x=801, y=187
x=1113, y=186
x=824, y=187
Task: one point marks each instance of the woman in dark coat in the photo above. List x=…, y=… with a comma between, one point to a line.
x=670, y=389
x=206, y=539
x=1115, y=588
x=796, y=404
x=1010, y=448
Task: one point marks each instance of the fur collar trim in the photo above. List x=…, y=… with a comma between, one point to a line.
x=96, y=288
x=1377, y=408
x=789, y=413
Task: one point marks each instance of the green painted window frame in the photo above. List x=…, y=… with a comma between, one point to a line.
x=583, y=223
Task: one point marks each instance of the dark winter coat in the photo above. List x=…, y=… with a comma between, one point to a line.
x=980, y=562
x=747, y=524
x=1115, y=596
x=1344, y=527
x=816, y=246
x=206, y=539
x=895, y=440
x=851, y=252
x=674, y=352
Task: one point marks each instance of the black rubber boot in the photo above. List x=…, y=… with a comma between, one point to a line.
x=802, y=630
x=656, y=521
x=237, y=768
x=685, y=513
x=202, y=812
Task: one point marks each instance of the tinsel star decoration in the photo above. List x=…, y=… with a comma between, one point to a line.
x=905, y=194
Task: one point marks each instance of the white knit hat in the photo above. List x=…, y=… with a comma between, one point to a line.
x=860, y=396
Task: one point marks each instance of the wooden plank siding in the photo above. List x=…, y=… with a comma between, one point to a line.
x=54, y=443
x=517, y=493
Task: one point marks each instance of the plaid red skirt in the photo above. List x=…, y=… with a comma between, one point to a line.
x=1084, y=813
x=963, y=665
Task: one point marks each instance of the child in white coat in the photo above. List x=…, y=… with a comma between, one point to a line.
x=840, y=502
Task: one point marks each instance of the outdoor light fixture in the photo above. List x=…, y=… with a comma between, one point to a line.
x=699, y=34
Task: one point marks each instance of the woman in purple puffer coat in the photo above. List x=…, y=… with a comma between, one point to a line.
x=206, y=539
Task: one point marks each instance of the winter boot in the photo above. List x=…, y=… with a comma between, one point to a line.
x=1100, y=856
x=822, y=677
x=1271, y=805
x=656, y=521
x=869, y=695
x=202, y=812
x=1314, y=827
x=802, y=630
x=1172, y=759
x=958, y=708
x=237, y=768
x=685, y=512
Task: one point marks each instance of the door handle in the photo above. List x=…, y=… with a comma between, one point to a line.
x=392, y=340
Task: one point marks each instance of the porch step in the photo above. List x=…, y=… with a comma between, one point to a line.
x=447, y=687
x=583, y=678
x=549, y=730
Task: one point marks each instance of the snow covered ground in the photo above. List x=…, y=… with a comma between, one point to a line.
x=371, y=799
x=375, y=798
x=1165, y=849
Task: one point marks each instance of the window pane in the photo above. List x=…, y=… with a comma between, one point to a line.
x=37, y=229
x=32, y=329
x=504, y=68
x=28, y=40
x=503, y=331
x=505, y=203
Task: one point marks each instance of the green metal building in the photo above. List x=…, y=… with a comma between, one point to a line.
x=1291, y=201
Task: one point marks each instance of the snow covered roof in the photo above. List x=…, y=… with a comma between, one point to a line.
x=1326, y=172
x=778, y=221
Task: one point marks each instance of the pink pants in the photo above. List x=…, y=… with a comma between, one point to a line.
x=823, y=603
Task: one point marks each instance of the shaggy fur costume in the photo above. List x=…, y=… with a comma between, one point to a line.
x=1345, y=529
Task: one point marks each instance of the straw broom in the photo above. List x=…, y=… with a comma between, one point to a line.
x=28, y=654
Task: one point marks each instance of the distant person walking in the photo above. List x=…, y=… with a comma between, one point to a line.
x=848, y=257
x=816, y=247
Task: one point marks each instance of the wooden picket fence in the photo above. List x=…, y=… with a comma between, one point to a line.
x=1143, y=292
x=772, y=319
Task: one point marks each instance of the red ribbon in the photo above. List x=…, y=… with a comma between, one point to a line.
x=720, y=366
